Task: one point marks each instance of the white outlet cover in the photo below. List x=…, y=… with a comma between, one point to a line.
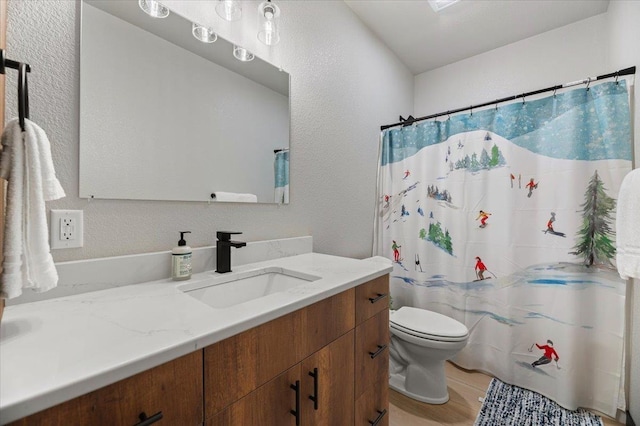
x=56, y=237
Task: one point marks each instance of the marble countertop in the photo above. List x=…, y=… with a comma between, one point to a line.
x=55, y=350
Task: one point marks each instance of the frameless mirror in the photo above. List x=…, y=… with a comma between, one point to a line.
x=164, y=116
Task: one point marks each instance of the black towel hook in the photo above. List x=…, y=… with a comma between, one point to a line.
x=23, y=95
x=23, y=85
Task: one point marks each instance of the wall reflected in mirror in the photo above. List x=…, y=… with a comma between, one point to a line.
x=164, y=116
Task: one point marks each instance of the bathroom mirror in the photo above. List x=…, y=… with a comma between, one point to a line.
x=164, y=116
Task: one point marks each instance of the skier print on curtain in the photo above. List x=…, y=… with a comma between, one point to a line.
x=513, y=236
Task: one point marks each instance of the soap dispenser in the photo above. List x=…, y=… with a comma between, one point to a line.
x=181, y=259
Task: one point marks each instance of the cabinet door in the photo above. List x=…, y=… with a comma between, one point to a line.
x=327, y=384
x=269, y=405
x=240, y=364
x=173, y=389
x=372, y=367
x=327, y=320
x=372, y=297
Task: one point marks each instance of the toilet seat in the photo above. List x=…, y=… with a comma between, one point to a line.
x=428, y=325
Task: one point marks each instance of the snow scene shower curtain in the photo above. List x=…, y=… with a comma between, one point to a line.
x=503, y=220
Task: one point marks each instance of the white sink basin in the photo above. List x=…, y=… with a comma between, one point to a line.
x=229, y=290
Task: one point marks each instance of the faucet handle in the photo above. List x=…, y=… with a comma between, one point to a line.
x=226, y=235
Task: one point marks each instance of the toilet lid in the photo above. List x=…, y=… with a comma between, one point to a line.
x=431, y=325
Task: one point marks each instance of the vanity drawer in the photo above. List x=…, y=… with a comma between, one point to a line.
x=173, y=389
x=372, y=354
x=373, y=405
x=371, y=298
x=240, y=364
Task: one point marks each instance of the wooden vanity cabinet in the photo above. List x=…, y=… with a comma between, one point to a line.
x=372, y=353
x=325, y=364
x=297, y=397
x=242, y=363
x=173, y=389
x=343, y=364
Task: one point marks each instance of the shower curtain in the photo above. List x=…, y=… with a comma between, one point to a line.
x=281, y=172
x=503, y=220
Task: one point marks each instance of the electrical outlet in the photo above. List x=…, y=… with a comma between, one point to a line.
x=66, y=229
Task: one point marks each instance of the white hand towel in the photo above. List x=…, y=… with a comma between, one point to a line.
x=628, y=226
x=235, y=197
x=26, y=163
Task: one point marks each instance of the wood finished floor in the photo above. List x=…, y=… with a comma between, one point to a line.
x=465, y=387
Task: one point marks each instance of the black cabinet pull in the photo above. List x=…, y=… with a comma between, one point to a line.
x=378, y=352
x=380, y=416
x=314, y=397
x=146, y=421
x=380, y=296
x=296, y=412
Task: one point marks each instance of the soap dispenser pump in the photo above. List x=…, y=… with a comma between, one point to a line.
x=181, y=259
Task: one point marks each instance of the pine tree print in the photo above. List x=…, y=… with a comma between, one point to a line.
x=495, y=156
x=437, y=237
x=447, y=244
x=595, y=238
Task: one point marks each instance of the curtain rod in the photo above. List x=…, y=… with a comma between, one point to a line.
x=411, y=120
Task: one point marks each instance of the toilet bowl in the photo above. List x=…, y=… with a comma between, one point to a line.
x=421, y=342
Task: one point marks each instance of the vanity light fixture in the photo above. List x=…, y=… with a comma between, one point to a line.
x=242, y=54
x=269, y=14
x=204, y=34
x=230, y=10
x=153, y=8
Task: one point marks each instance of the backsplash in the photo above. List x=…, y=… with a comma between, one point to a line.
x=83, y=276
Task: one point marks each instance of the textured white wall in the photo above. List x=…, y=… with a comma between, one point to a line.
x=344, y=85
x=594, y=46
x=566, y=54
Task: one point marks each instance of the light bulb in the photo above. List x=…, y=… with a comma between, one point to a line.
x=153, y=8
x=230, y=10
x=269, y=14
x=204, y=34
x=242, y=54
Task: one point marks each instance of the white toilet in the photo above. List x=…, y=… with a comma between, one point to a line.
x=421, y=342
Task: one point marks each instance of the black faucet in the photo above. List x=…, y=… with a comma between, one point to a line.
x=223, y=250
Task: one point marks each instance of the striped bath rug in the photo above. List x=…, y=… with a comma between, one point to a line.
x=508, y=405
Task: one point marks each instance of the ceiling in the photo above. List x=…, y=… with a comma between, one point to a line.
x=425, y=40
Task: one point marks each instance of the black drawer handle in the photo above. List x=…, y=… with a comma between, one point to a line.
x=315, y=395
x=296, y=412
x=146, y=421
x=380, y=416
x=380, y=296
x=378, y=352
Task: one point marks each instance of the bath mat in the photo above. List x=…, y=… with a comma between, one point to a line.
x=508, y=405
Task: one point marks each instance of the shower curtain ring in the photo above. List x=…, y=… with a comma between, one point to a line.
x=471, y=108
x=448, y=116
x=617, y=75
x=554, y=92
x=523, y=99
x=496, y=105
x=588, y=83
